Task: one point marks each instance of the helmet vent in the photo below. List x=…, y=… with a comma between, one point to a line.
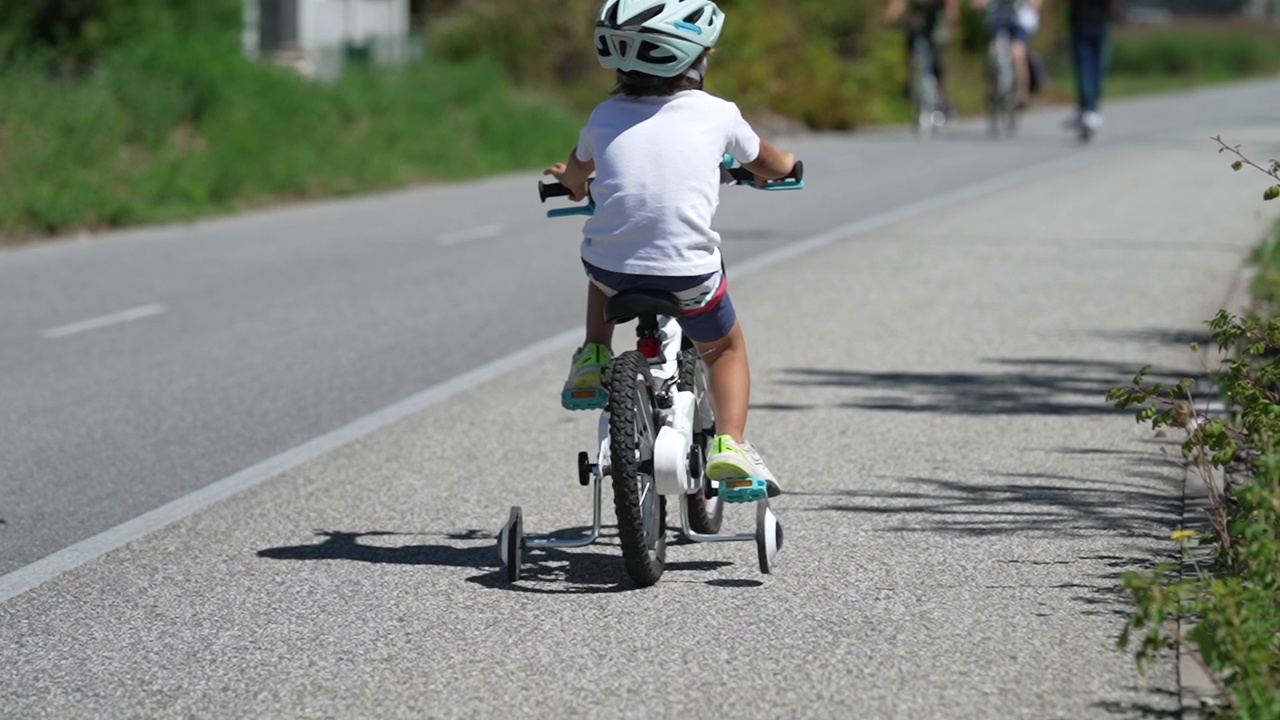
x=602, y=47
x=643, y=17
x=653, y=53
x=695, y=16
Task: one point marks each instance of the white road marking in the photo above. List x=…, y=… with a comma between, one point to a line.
x=41, y=571
x=458, y=237
x=100, y=322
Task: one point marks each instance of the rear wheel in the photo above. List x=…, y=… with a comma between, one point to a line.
x=705, y=510
x=639, y=507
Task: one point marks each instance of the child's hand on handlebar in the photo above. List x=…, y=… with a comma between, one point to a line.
x=559, y=171
x=789, y=160
x=573, y=175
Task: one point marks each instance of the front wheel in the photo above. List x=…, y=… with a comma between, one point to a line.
x=632, y=433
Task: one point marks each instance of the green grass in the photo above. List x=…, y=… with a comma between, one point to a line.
x=171, y=123
x=154, y=135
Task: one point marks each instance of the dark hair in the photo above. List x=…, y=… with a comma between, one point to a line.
x=638, y=84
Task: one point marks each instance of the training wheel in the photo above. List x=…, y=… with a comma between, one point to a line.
x=511, y=544
x=768, y=536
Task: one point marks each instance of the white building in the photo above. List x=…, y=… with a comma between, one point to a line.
x=318, y=36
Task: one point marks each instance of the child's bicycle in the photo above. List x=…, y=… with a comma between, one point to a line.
x=654, y=436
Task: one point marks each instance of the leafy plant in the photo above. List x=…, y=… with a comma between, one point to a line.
x=1234, y=598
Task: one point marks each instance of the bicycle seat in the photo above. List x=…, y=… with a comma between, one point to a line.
x=629, y=305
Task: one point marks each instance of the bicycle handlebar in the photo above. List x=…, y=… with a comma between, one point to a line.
x=793, y=180
x=740, y=175
x=546, y=190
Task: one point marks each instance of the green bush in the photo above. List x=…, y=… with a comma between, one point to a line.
x=1199, y=50
x=164, y=131
x=828, y=64
x=1235, y=600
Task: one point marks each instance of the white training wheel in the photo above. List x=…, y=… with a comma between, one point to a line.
x=511, y=544
x=768, y=535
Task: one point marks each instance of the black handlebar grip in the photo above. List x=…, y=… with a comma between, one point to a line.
x=546, y=190
x=744, y=175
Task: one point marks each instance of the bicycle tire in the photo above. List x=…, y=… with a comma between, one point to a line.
x=923, y=100
x=705, y=512
x=632, y=432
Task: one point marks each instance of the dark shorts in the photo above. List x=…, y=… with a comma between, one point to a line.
x=708, y=313
x=1009, y=24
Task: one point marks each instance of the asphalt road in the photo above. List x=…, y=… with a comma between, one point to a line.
x=929, y=388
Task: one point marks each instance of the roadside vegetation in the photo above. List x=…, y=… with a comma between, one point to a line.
x=1222, y=602
x=121, y=112
x=147, y=112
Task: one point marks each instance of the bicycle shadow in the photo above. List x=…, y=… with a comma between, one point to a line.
x=544, y=571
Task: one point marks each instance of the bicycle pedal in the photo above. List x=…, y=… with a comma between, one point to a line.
x=584, y=398
x=743, y=490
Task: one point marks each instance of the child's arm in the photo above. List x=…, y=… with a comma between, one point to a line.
x=573, y=175
x=771, y=163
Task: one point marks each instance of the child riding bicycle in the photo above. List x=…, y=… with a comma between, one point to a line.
x=1019, y=19
x=656, y=148
x=932, y=21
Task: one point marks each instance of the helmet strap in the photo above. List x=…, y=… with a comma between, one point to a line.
x=697, y=72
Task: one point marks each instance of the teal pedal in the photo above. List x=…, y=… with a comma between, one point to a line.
x=743, y=490
x=585, y=399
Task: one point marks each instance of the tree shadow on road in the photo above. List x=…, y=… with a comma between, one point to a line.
x=1023, y=386
x=543, y=570
x=1134, y=709
x=1046, y=505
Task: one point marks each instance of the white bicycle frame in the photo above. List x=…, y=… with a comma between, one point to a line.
x=672, y=479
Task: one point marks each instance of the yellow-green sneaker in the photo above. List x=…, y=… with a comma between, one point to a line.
x=584, y=390
x=740, y=472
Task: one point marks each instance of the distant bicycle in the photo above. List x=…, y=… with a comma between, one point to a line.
x=926, y=25
x=1002, y=79
x=926, y=98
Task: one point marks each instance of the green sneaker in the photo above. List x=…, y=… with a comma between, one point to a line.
x=740, y=472
x=584, y=390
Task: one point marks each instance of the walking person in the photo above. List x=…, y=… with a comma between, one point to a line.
x=1090, y=22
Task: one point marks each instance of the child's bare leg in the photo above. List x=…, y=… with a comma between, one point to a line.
x=1021, y=70
x=598, y=329
x=730, y=381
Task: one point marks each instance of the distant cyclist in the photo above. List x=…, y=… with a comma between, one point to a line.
x=657, y=148
x=929, y=20
x=1020, y=19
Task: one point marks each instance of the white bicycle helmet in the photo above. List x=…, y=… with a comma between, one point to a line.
x=656, y=37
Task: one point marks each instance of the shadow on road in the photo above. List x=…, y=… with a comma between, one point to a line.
x=543, y=570
x=1055, y=505
x=1024, y=386
x=1145, y=710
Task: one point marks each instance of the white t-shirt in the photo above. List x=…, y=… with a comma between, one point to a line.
x=657, y=181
